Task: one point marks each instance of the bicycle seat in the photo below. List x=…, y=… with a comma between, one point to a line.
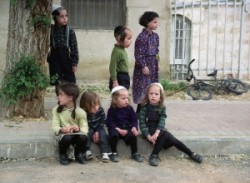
x=214, y=73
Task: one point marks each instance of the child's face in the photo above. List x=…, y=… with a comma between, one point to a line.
x=64, y=99
x=154, y=94
x=153, y=25
x=94, y=109
x=123, y=99
x=128, y=39
x=62, y=19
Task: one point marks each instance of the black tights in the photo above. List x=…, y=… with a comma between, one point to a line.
x=167, y=140
x=129, y=140
x=79, y=141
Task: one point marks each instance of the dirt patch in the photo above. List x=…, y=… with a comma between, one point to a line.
x=171, y=169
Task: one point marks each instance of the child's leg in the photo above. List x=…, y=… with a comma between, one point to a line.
x=88, y=153
x=103, y=142
x=64, y=144
x=132, y=141
x=170, y=141
x=114, y=138
x=90, y=135
x=63, y=147
x=80, y=142
x=123, y=79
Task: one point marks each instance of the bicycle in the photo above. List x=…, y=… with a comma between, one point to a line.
x=202, y=89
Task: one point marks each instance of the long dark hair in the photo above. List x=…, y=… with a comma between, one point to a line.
x=69, y=89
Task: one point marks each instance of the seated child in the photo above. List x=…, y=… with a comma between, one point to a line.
x=69, y=123
x=90, y=102
x=152, y=118
x=122, y=123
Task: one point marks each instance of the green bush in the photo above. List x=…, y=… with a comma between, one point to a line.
x=23, y=80
x=168, y=86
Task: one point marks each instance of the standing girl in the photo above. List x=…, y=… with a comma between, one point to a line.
x=63, y=56
x=69, y=123
x=118, y=67
x=152, y=125
x=122, y=123
x=146, y=57
x=90, y=102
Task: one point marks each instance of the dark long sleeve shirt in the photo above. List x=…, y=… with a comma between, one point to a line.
x=152, y=117
x=96, y=121
x=58, y=38
x=122, y=118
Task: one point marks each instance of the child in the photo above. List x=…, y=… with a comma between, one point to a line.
x=90, y=102
x=152, y=125
x=122, y=123
x=63, y=55
x=146, y=57
x=118, y=67
x=69, y=123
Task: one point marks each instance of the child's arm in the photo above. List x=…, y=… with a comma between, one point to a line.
x=101, y=121
x=82, y=120
x=73, y=48
x=162, y=120
x=140, y=51
x=110, y=118
x=113, y=67
x=56, y=125
x=143, y=124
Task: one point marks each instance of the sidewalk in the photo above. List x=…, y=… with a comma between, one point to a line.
x=207, y=127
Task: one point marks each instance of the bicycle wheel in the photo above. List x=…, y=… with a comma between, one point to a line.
x=199, y=92
x=222, y=86
x=237, y=87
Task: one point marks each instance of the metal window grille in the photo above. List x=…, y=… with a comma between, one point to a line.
x=181, y=40
x=95, y=14
x=219, y=37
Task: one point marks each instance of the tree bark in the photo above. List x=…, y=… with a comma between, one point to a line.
x=27, y=39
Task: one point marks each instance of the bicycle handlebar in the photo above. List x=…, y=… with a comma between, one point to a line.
x=190, y=75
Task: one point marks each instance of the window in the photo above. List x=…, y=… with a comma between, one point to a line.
x=95, y=14
x=182, y=39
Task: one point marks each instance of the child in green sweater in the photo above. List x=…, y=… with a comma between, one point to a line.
x=118, y=67
x=69, y=123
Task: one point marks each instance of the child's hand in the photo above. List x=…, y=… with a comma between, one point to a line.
x=65, y=130
x=74, y=68
x=134, y=131
x=145, y=70
x=150, y=139
x=122, y=132
x=96, y=137
x=115, y=83
x=74, y=128
x=156, y=134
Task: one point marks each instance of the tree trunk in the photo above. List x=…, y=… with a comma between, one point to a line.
x=27, y=39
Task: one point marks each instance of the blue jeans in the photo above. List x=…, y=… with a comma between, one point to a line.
x=103, y=140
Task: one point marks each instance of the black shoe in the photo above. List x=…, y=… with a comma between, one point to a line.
x=137, y=157
x=153, y=160
x=114, y=157
x=196, y=157
x=80, y=158
x=63, y=159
